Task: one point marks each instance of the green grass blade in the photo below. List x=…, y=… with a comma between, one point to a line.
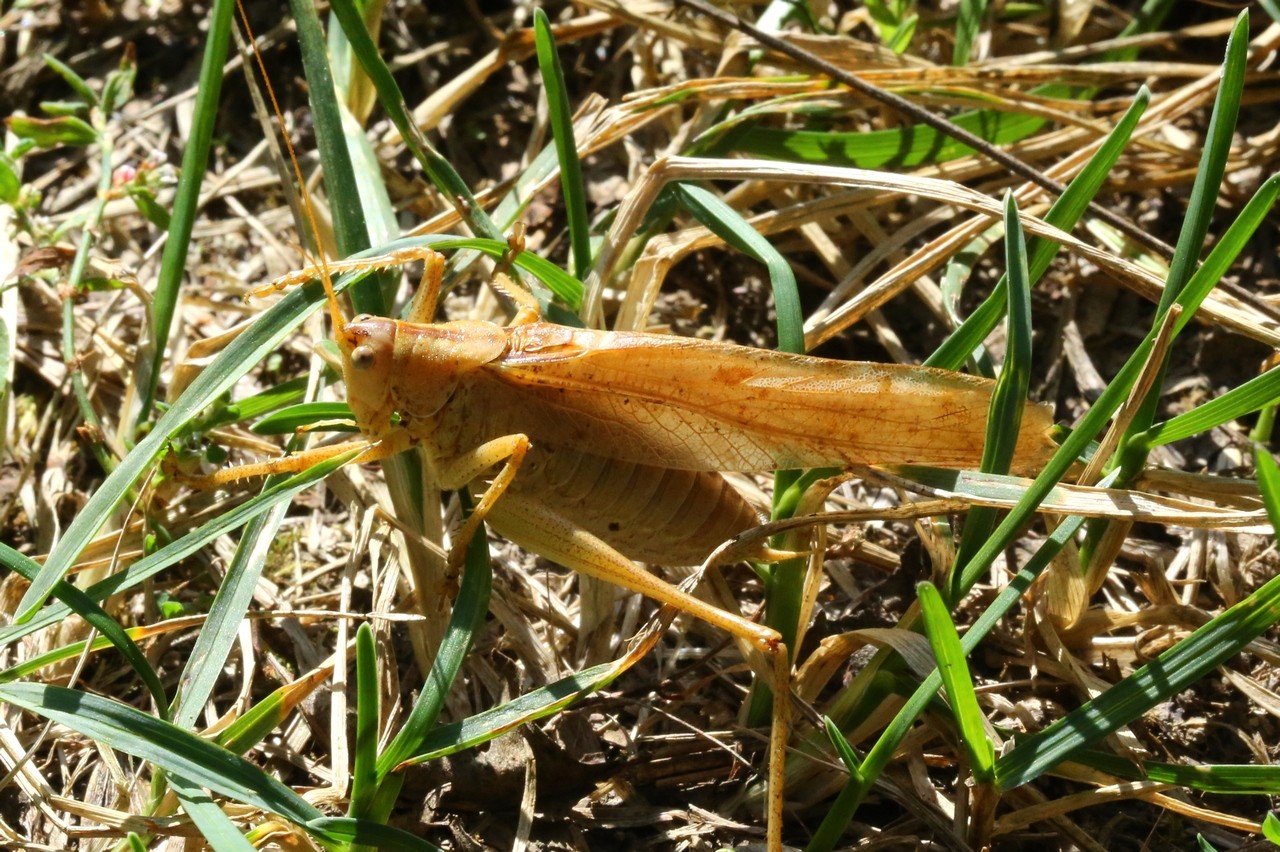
x=289, y=420
x=1271, y=825
x=360, y=832
x=903, y=147
x=1204, y=196
x=62, y=653
x=469, y=610
x=439, y=171
x=195, y=160
x=1063, y=214
x=344, y=191
x=1008, y=400
x=153, y=564
x=68, y=74
x=216, y=828
x=1223, y=779
x=969, y=17
x=251, y=407
x=1253, y=395
x=1213, y=162
x=483, y=727
x=841, y=811
x=204, y=665
x=727, y=224
x=959, y=271
x=848, y=756
x=161, y=744
x=561, y=117
x=1170, y=673
x=364, y=776
x=1221, y=257
x=954, y=669
x=81, y=604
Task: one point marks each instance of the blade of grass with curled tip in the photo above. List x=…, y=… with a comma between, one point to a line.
x=727, y=224
x=195, y=159
x=561, y=115
x=959, y=271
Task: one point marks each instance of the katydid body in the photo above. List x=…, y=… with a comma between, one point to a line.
x=627, y=432
x=596, y=448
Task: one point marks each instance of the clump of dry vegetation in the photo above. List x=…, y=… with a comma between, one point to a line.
x=294, y=661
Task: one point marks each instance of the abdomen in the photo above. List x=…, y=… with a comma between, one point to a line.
x=650, y=514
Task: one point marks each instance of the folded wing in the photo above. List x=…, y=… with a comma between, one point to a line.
x=697, y=405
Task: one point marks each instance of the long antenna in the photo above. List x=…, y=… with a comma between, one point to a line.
x=335, y=312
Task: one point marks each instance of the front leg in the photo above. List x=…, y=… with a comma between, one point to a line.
x=456, y=473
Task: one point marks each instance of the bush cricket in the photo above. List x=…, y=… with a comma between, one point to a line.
x=598, y=449
x=608, y=447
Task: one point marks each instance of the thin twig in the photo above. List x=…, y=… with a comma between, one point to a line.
x=942, y=125
x=917, y=113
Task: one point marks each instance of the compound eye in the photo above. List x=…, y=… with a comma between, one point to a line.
x=362, y=357
x=362, y=318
